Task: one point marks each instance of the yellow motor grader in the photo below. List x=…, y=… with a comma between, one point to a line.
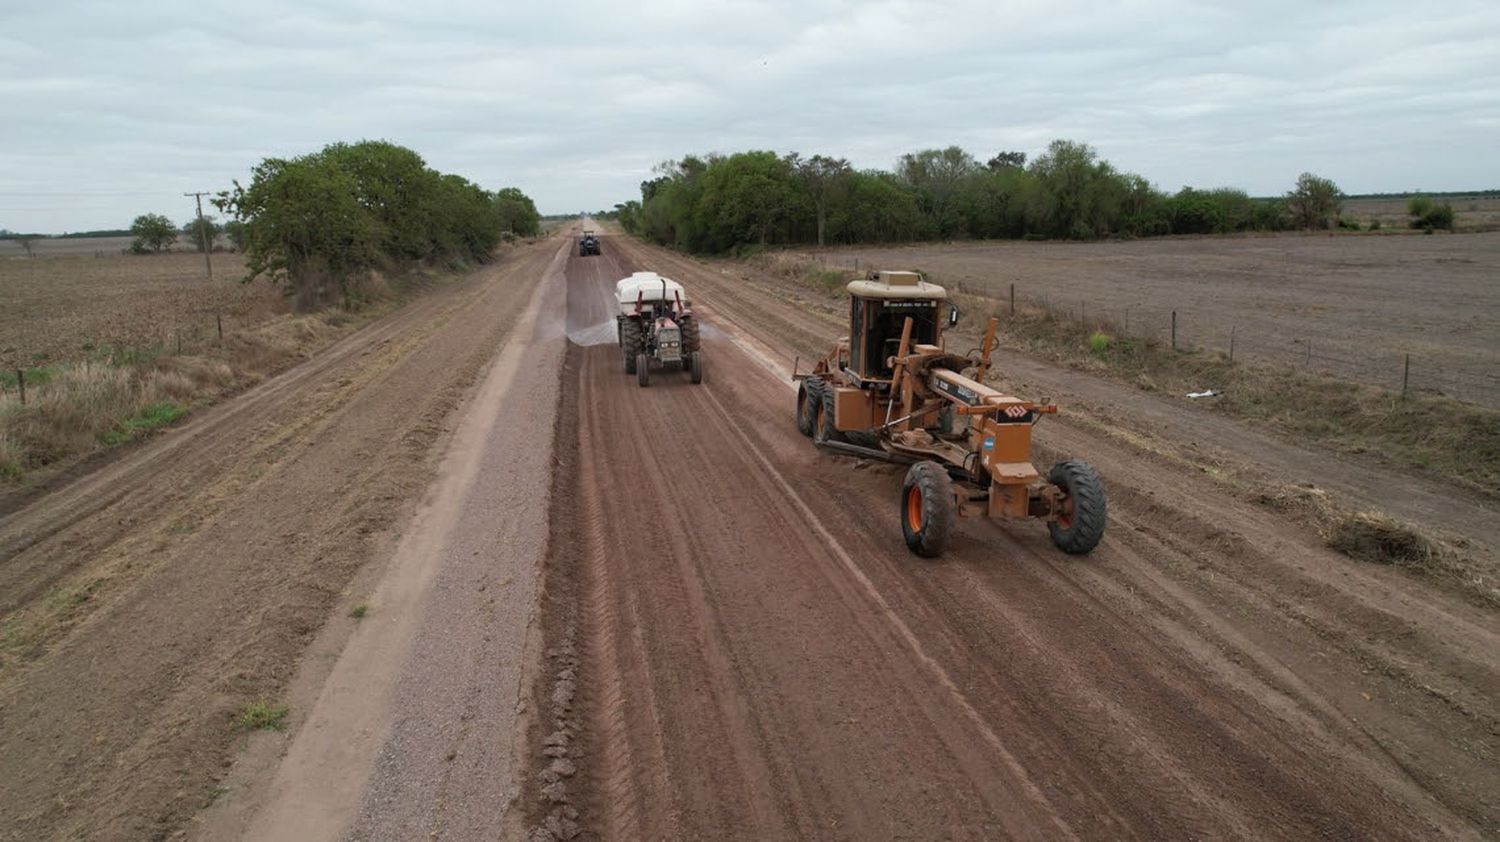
x=890, y=390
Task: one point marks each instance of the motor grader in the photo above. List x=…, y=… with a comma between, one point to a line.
x=891, y=390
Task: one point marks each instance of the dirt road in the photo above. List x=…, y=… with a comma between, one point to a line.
x=152, y=600
x=600, y=611
x=741, y=647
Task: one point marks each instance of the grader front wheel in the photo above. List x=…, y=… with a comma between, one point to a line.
x=1080, y=526
x=927, y=508
x=808, y=401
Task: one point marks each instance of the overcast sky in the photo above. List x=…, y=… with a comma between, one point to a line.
x=111, y=109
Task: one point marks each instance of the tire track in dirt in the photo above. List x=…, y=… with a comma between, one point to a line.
x=124, y=727
x=1156, y=689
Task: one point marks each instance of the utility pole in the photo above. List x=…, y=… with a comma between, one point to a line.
x=208, y=248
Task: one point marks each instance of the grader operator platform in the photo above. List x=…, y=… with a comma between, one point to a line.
x=890, y=390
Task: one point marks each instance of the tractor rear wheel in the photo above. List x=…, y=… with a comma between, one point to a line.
x=630, y=343
x=825, y=428
x=695, y=366
x=691, y=338
x=1080, y=526
x=643, y=370
x=809, y=398
x=928, y=508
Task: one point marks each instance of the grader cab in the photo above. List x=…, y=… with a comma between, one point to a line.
x=891, y=390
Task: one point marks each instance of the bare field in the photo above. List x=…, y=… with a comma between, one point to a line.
x=71, y=307
x=1348, y=305
x=1472, y=212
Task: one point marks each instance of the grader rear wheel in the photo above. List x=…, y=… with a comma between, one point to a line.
x=928, y=508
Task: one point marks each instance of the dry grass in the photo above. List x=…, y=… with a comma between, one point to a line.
x=71, y=309
x=1457, y=440
x=82, y=406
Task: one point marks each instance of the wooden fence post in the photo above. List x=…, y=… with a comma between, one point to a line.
x=1012, y=299
x=21, y=382
x=219, y=320
x=1174, y=330
x=1231, y=343
x=1405, y=376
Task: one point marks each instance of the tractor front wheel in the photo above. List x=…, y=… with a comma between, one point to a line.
x=643, y=370
x=695, y=366
x=928, y=508
x=1080, y=525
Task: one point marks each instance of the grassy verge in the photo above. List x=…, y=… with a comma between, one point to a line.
x=72, y=409
x=1456, y=440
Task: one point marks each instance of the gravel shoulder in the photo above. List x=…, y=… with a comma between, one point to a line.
x=216, y=556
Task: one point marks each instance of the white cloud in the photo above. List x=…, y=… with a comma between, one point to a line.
x=115, y=109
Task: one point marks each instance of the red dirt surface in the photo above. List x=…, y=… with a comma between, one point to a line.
x=734, y=641
x=743, y=647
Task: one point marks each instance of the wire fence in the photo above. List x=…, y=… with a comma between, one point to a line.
x=1398, y=369
x=1394, y=368
x=198, y=333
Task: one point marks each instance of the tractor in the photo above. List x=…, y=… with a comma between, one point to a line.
x=655, y=324
x=891, y=390
x=588, y=244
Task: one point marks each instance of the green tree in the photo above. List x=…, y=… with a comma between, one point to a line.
x=152, y=232
x=749, y=197
x=825, y=180
x=1078, y=195
x=516, y=212
x=1006, y=160
x=200, y=231
x=235, y=231
x=937, y=175
x=305, y=228
x=1314, y=202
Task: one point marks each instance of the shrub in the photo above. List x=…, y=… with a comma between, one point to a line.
x=1436, y=217
x=1418, y=206
x=1314, y=202
x=1099, y=342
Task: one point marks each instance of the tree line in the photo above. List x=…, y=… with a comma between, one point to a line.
x=723, y=203
x=321, y=223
